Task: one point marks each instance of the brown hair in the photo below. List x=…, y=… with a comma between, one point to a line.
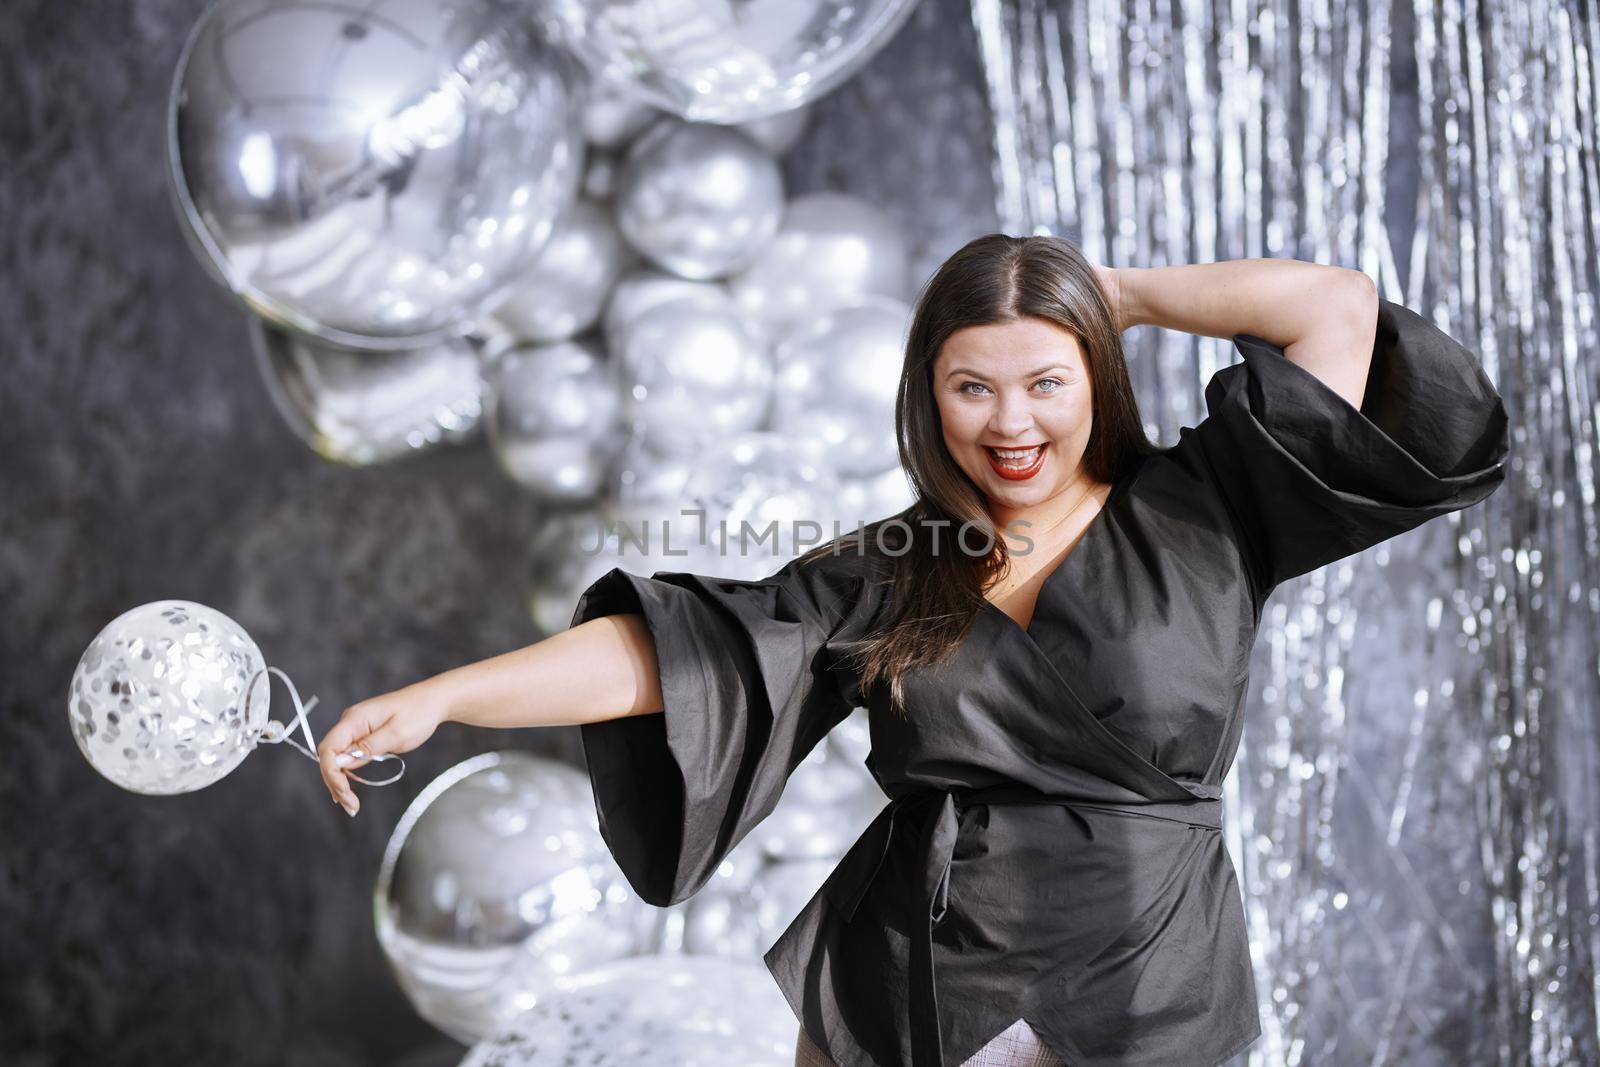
x=937, y=594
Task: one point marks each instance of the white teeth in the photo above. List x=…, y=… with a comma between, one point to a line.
x=1016, y=453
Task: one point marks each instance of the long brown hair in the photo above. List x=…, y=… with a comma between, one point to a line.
x=936, y=594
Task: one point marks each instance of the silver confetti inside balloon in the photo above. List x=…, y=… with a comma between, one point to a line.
x=838, y=376
x=831, y=249
x=158, y=702
x=495, y=884
x=698, y=200
x=715, y=61
x=555, y=418
x=694, y=377
x=686, y=1011
x=372, y=176
x=360, y=408
x=561, y=292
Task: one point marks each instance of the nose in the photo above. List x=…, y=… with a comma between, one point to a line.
x=1011, y=418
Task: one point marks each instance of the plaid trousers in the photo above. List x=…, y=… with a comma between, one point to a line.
x=1018, y=1045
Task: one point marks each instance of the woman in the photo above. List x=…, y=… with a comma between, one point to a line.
x=1053, y=644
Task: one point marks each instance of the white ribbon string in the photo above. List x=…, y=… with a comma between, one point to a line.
x=274, y=732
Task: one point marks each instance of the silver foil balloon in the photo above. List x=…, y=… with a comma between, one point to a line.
x=359, y=407
x=874, y=497
x=715, y=61
x=644, y=287
x=781, y=132
x=162, y=701
x=645, y=476
x=372, y=176
x=555, y=418
x=831, y=249
x=495, y=884
x=679, y=1010
x=695, y=377
x=611, y=117
x=698, y=200
x=838, y=376
x=766, y=501
x=561, y=292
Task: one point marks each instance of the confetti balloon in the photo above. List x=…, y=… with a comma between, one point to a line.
x=158, y=700
x=173, y=695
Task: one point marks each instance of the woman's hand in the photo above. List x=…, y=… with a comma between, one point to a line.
x=392, y=723
x=1111, y=286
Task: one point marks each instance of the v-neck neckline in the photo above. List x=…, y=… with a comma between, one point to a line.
x=1118, y=484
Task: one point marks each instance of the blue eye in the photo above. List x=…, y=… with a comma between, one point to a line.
x=1058, y=382
x=963, y=388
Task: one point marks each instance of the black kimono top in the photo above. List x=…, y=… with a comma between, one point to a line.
x=1052, y=845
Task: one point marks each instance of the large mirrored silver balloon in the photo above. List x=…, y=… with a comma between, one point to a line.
x=694, y=377
x=766, y=501
x=831, y=249
x=360, y=408
x=716, y=61
x=838, y=377
x=877, y=496
x=644, y=287
x=693, y=1011
x=561, y=292
x=168, y=697
x=372, y=175
x=555, y=418
x=495, y=884
x=698, y=200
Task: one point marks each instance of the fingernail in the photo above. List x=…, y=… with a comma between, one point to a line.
x=349, y=809
x=341, y=760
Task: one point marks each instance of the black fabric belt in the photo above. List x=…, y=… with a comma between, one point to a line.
x=932, y=816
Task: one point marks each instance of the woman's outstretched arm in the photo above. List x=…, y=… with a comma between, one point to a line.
x=601, y=669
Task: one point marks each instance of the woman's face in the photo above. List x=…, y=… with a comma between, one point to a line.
x=1022, y=387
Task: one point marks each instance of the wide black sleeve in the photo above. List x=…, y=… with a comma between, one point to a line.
x=1309, y=479
x=750, y=681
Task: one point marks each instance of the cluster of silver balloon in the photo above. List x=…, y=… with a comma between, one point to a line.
x=564, y=223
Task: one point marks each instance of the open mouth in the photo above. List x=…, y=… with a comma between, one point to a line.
x=1016, y=462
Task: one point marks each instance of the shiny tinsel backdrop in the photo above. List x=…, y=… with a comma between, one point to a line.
x=1417, y=815
x=594, y=263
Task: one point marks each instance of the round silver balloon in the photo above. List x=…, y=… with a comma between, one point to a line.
x=573, y=548
x=643, y=288
x=832, y=249
x=496, y=884
x=781, y=132
x=555, y=418
x=372, y=177
x=704, y=1011
x=561, y=292
x=360, y=408
x=838, y=378
x=766, y=501
x=877, y=496
x=694, y=377
x=645, y=476
x=715, y=61
x=611, y=117
x=698, y=200
x=162, y=701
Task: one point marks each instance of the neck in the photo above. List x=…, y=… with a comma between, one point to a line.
x=1047, y=515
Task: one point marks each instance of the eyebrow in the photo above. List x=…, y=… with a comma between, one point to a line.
x=1029, y=374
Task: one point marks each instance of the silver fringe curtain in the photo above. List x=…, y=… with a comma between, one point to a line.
x=1416, y=811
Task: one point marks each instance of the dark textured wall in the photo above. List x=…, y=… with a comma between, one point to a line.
x=140, y=459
